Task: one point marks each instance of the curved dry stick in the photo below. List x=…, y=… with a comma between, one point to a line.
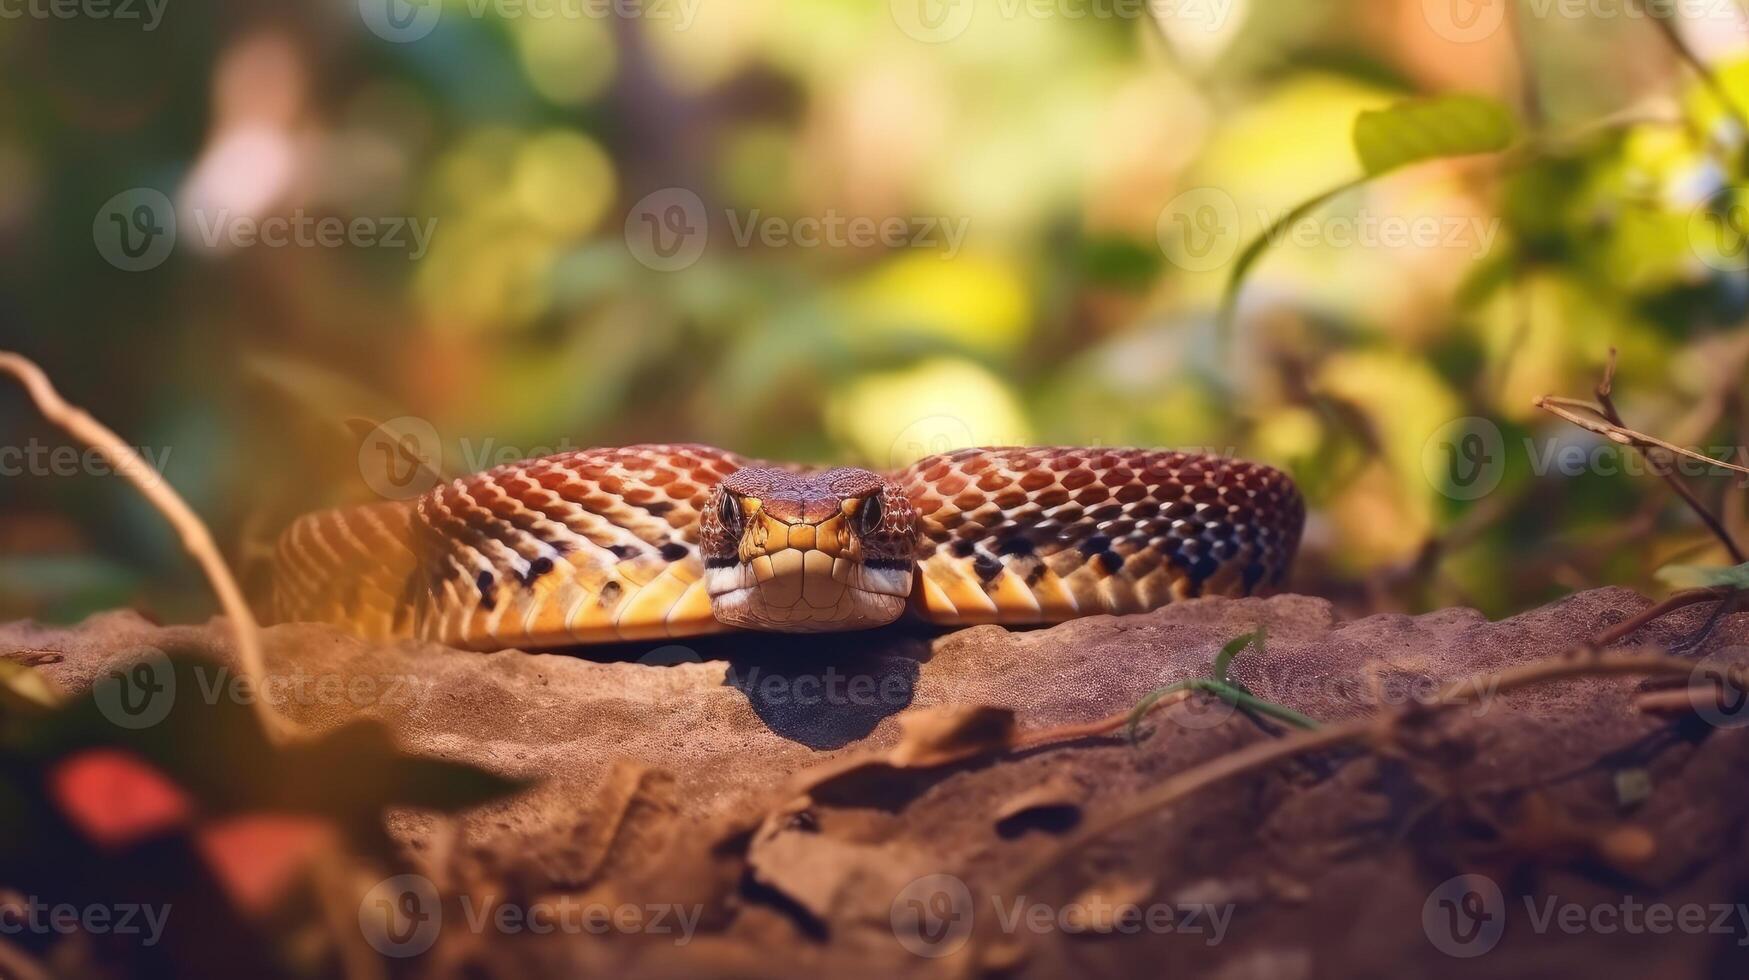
x=195, y=537
x=1563, y=408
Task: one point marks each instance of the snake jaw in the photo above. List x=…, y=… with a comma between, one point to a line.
x=804, y=553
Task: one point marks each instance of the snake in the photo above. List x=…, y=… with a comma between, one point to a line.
x=650, y=542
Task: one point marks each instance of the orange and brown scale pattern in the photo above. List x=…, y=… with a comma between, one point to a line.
x=587, y=546
x=603, y=545
x=1045, y=534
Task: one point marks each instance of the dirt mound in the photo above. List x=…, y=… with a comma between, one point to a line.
x=739, y=791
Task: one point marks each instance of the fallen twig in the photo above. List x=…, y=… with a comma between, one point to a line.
x=194, y=534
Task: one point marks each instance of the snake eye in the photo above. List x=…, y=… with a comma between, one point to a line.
x=729, y=512
x=869, y=517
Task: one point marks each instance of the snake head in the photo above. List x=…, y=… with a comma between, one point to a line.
x=805, y=552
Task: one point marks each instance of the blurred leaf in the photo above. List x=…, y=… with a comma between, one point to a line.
x=1416, y=131
x=209, y=744
x=379, y=774
x=25, y=690
x=257, y=857
x=115, y=798
x=1119, y=261
x=1705, y=577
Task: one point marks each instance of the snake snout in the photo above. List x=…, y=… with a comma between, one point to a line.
x=800, y=562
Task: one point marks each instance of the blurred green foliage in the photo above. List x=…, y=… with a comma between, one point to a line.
x=1079, y=156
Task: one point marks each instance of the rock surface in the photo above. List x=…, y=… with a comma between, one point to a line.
x=733, y=778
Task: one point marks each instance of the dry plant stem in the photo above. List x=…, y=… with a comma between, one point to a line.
x=1563, y=408
x=124, y=460
x=1587, y=659
x=1671, y=702
x=1632, y=624
x=1607, y=403
x=1091, y=729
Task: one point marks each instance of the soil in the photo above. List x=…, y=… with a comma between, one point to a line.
x=783, y=803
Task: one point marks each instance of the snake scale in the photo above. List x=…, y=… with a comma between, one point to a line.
x=653, y=541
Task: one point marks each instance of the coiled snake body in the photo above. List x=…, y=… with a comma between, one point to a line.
x=645, y=542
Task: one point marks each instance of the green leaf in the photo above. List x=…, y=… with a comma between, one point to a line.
x=1245, y=699
x=1430, y=129
x=1705, y=577
x=1152, y=698
x=1234, y=647
x=1223, y=687
x=1386, y=139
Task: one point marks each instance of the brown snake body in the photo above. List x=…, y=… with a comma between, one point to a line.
x=646, y=542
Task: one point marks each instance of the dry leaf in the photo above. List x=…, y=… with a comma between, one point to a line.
x=1107, y=905
x=948, y=733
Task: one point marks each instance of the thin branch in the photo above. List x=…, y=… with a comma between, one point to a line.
x=194, y=534
x=1659, y=466
x=1564, y=408
x=1627, y=627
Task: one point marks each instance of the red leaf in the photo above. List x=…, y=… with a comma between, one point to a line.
x=257, y=856
x=115, y=798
